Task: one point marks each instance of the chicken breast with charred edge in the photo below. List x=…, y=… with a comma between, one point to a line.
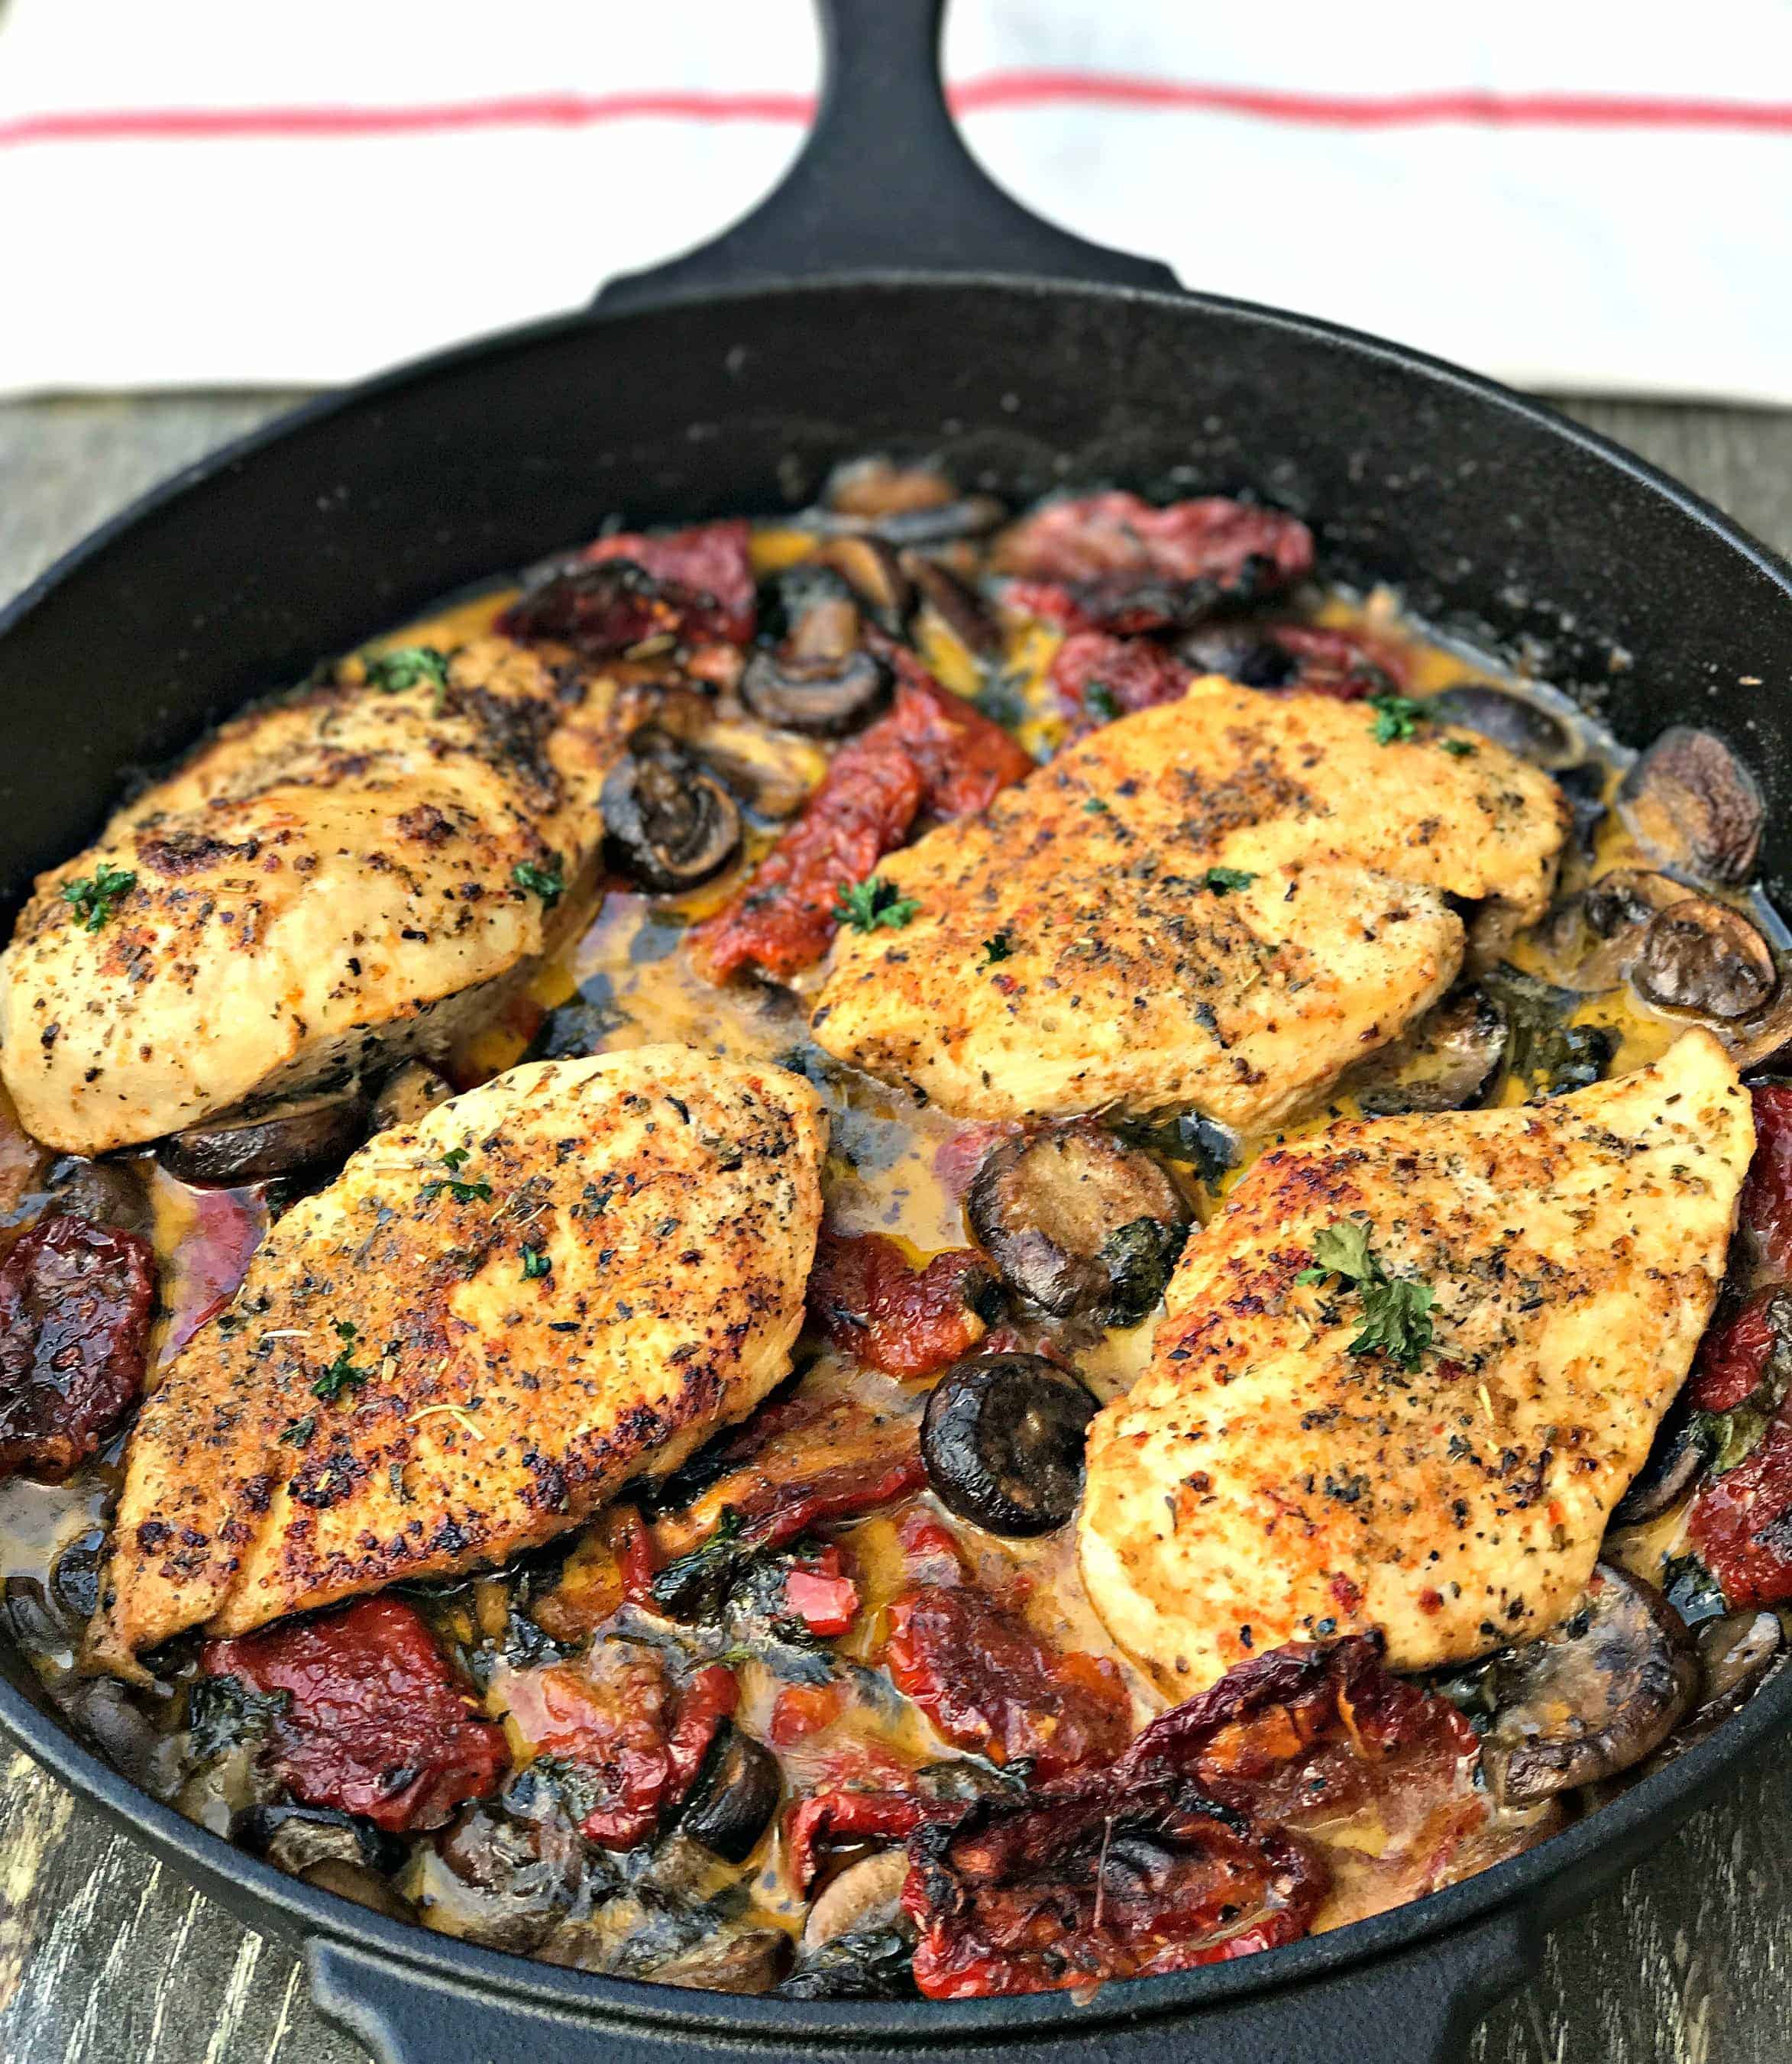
x=328, y=883
x=1263, y=1484
x=1219, y=902
x=568, y=1277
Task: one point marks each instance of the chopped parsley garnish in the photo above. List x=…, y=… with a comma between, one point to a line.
x=999, y=947
x=1096, y=808
x=1222, y=880
x=342, y=1373
x=1396, y=717
x=866, y=904
x=221, y=1711
x=547, y=882
x=1100, y=701
x=92, y=897
x=1396, y=1311
x=299, y=1433
x=461, y=1191
x=536, y=1264
x=1459, y=749
x=409, y=667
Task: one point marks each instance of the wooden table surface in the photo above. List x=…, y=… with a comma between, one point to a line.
x=106, y=1957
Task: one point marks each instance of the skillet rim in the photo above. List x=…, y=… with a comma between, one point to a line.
x=1604, y=1841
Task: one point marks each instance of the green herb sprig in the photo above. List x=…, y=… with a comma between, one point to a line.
x=462, y=1191
x=1222, y=880
x=1396, y=1310
x=342, y=1374
x=93, y=897
x=1396, y=717
x=409, y=667
x=547, y=882
x=866, y=905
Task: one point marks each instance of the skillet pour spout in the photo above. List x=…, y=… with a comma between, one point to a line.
x=889, y=298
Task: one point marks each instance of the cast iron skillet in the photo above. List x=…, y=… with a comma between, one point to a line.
x=889, y=298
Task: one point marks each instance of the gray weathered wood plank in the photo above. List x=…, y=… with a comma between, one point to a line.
x=107, y=1958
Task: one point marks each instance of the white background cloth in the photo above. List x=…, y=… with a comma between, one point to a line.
x=1581, y=194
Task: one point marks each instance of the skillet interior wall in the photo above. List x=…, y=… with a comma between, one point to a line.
x=499, y=454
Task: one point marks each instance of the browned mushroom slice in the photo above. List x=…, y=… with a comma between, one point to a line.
x=1681, y=1449
x=1593, y=1696
x=872, y=571
x=905, y=504
x=956, y=607
x=1522, y=726
x=669, y=823
x=1692, y=804
x=1736, y=1652
x=1446, y=1062
x=409, y=1096
x=1077, y=1222
x=497, y=1878
x=1699, y=954
x=294, y=1140
x=736, y=1795
x=866, y=1894
x=820, y=679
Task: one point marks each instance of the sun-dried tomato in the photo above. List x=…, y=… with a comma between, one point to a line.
x=636, y=1740
x=376, y=1723
x=1766, y=1208
x=988, y=1683
x=1752, y=1349
x=818, y=1592
x=933, y=752
x=1099, y=677
x=1741, y=1522
x=806, y=1463
x=957, y=1159
x=694, y=585
x=75, y=1314
x=1346, y=665
x=1113, y=1878
x=210, y=1259
x=1113, y=562
x=907, y=1321
x=825, y=1819
x=801, y=1710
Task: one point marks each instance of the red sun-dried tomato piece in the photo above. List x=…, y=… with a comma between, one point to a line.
x=1105, y=1879
x=375, y=1723
x=828, y=1818
x=636, y=1739
x=212, y=1259
x=1346, y=665
x=1737, y=1357
x=1741, y=1522
x=1766, y=1207
x=695, y=585
x=932, y=752
x=1100, y=677
x=818, y=1592
x=1113, y=562
x=74, y=1315
x=988, y=1683
x=908, y=1322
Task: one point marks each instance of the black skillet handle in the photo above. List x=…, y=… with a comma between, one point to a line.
x=1419, y=2006
x=883, y=184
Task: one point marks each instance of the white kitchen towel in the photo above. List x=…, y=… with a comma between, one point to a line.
x=1594, y=195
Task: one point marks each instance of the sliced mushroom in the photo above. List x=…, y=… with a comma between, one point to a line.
x=1240, y=655
x=735, y=1797
x=872, y=571
x=1735, y=1653
x=1593, y=1696
x=909, y=505
x=497, y=1880
x=1680, y=1451
x=746, y=1960
x=1699, y=954
x=1516, y=723
x=1002, y=1441
x=74, y=1575
x=1076, y=1221
x=365, y=1887
x=1692, y=804
x=1446, y=1062
x=867, y=1896
x=101, y=1192
x=295, y=1837
x=1584, y=785
x=294, y=1140
x=669, y=823
x=409, y=1096
x=955, y=605
x=818, y=679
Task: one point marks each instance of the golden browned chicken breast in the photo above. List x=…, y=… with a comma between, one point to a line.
x=1405, y=1375
x=488, y=1321
x=1219, y=903
x=348, y=874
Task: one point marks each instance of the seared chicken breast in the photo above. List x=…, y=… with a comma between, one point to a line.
x=328, y=879
x=564, y=1278
x=1273, y=1478
x=1219, y=902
